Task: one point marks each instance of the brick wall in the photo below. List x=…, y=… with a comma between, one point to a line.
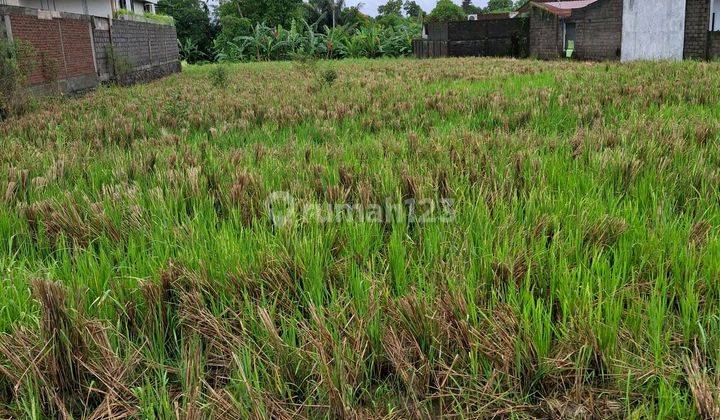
x=598, y=33
x=63, y=47
x=697, y=23
x=713, y=45
x=545, y=37
x=74, y=50
x=141, y=45
x=101, y=38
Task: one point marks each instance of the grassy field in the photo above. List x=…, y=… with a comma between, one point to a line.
x=180, y=249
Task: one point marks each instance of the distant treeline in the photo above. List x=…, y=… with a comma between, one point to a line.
x=243, y=30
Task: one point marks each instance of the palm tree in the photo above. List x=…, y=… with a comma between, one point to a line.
x=321, y=9
x=335, y=6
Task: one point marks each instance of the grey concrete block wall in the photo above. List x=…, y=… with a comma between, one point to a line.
x=697, y=23
x=500, y=36
x=151, y=50
x=545, y=35
x=101, y=40
x=714, y=45
x=598, y=33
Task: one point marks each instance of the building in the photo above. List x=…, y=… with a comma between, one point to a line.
x=596, y=30
x=593, y=27
x=624, y=29
x=101, y=8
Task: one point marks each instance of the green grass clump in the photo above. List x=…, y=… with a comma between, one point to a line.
x=568, y=266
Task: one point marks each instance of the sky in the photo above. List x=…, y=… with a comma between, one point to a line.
x=369, y=7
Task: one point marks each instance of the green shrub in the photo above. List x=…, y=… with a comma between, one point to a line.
x=329, y=76
x=155, y=17
x=17, y=61
x=446, y=11
x=120, y=65
x=304, y=41
x=218, y=75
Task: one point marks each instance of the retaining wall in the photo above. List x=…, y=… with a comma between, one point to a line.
x=150, y=50
x=75, y=52
x=61, y=44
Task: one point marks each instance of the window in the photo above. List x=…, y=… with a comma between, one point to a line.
x=147, y=7
x=122, y=4
x=715, y=15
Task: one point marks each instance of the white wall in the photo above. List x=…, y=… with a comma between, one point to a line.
x=35, y=4
x=653, y=30
x=72, y=6
x=715, y=9
x=94, y=7
x=101, y=8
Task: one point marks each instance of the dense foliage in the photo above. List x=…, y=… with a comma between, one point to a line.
x=194, y=28
x=242, y=30
x=328, y=30
x=153, y=17
x=502, y=5
x=270, y=29
x=148, y=273
x=17, y=60
x=446, y=11
x=269, y=12
x=303, y=41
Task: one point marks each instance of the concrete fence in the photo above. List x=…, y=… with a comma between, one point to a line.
x=150, y=50
x=77, y=52
x=497, y=37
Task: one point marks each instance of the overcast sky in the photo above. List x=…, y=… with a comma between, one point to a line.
x=369, y=7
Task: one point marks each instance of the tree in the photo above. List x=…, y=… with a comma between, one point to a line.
x=270, y=12
x=321, y=11
x=392, y=7
x=194, y=29
x=469, y=8
x=353, y=17
x=446, y=11
x=499, y=6
x=413, y=9
x=232, y=26
x=336, y=6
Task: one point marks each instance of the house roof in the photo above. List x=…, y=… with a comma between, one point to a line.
x=560, y=8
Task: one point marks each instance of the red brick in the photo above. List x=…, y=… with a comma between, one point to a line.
x=64, y=42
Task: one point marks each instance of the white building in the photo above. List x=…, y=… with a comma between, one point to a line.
x=103, y=8
x=715, y=15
